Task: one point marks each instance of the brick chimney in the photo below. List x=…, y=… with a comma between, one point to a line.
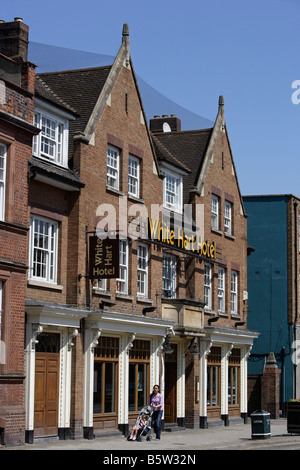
x=14, y=39
x=165, y=124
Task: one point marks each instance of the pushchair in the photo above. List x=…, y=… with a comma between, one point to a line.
x=142, y=427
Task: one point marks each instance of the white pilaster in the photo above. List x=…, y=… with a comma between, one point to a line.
x=91, y=336
x=205, y=347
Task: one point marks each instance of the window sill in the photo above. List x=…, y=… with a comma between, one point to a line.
x=228, y=235
x=235, y=316
x=52, y=162
x=135, y=199
x=223, y=314
x=208, y=311
x=114, y=191
x=106, y=293
x=217, y=231
x=175, y=210
x=144, y=300
x=44, y=285
x=119, y=295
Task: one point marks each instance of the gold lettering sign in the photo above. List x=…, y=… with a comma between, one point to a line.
x=177, y=238
x=104, y=258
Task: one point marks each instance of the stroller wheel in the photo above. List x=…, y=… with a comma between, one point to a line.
x=140, y=439
x=148, y=438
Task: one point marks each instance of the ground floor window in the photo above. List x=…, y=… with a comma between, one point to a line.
x=139, y=370
x=234, y=377
x=213, y=377
x=106, y=375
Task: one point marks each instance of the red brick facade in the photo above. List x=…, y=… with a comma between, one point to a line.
x=16, y=131
x=69, y=306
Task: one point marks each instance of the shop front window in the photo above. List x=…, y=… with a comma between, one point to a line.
x=213, y=377
x=139, y=366
x=105, y=375
x=234, y=377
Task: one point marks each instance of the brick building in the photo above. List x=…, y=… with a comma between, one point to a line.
x=17, y=77
x=175, y=313
x=216, y=286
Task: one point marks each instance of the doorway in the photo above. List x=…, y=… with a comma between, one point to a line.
x=170, y=408
x=46, y=385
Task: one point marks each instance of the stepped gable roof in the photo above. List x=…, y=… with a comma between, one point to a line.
x=186, y=150
x=79, y=90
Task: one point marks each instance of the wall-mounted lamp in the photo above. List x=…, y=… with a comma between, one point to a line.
x=166, y=349
x=213, y=319
x=148, y=310
x=194, y=347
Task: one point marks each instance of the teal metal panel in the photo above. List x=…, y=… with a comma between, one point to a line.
x=267, y=286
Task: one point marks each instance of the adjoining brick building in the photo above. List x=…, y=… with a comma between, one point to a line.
x=17, y=78
x=174, y=315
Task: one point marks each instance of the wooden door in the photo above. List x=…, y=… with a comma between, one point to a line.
x=46, y=394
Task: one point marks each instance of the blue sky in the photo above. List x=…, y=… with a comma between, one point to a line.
x=193, y=51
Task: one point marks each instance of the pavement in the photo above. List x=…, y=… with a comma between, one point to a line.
x=236, y=436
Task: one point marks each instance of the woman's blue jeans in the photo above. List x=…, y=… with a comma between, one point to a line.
x=156, y=422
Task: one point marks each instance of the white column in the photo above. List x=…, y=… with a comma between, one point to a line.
x=126, y=345
x=91, y=336
x=181, y=380
x=32, y=332
x=245, y=352
x=225, y=353
x=205, y=347
x=67, y=337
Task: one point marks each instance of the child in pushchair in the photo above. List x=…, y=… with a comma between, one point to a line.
x=142, y=427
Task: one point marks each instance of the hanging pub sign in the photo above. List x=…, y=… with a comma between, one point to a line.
x=104, y=258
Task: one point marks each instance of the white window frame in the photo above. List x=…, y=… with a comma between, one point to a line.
x=50, y=252
x=122, y=280
x=234, y=292
x=215, y=200
x=221, y=289
x=207, y=286
x=169, y=276
x=3, y=163
x=100, y=284
x=113, y=167
x=59, y=138
x=173, y=188
x=142, y=270
x=134, y=176
x=228, y=218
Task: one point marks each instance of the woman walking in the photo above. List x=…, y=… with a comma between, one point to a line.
x=156, y=401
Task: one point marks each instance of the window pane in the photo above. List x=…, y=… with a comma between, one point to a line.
x=142, y=385
x=110, y=385
x=215, y=212
x=122, y=281
x=98, y=367
x=43, y=249
x=112, y=167
x=227, y=218
x=132, y=391
x=133, y=176
x=169, y=276
x=142, y=262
